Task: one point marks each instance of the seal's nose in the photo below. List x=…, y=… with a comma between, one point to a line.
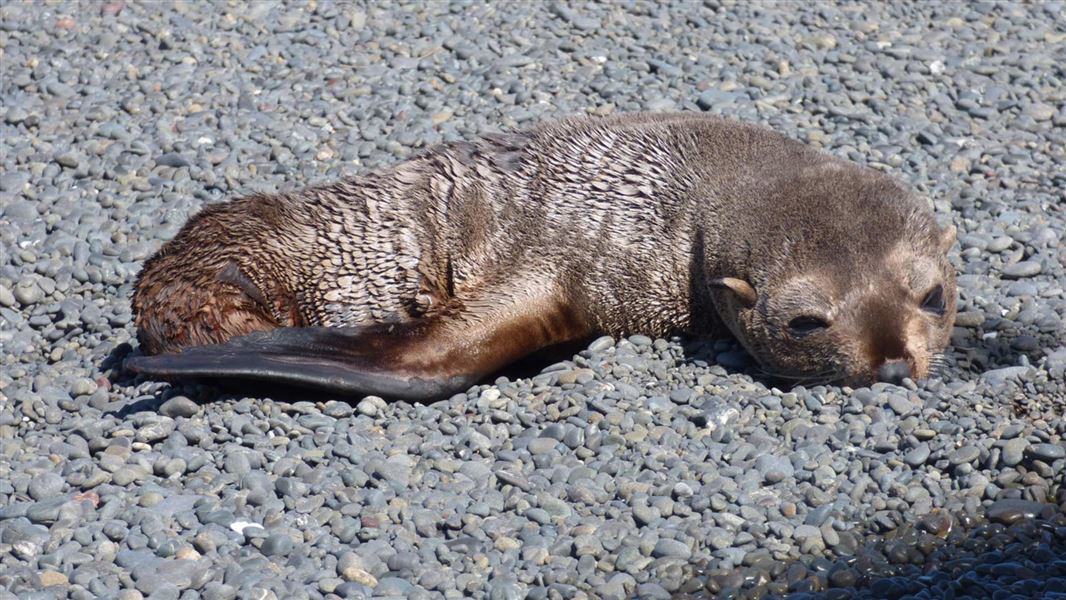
x=894, y=371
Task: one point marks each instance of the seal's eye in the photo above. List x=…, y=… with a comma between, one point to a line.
x=804, y=326
x=934, y=301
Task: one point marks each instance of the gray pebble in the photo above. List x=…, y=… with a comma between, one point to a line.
x=45, y=486
x=918, y=455
x=1028, y=268
x=13, y=181
x=27, y=292
x=278, y=544
x=172, y=159
x=179, y=406
x=672, y=548
x=542, y=445
x=964, y=454
x=1047, y=452
x=1014, y=451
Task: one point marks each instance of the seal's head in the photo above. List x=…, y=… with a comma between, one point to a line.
x=849, y=283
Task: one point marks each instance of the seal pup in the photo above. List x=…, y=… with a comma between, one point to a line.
x=418, y=280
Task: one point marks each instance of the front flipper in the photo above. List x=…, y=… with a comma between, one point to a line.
x=421, y=360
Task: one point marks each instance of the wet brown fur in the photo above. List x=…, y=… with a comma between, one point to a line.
x=481, y=252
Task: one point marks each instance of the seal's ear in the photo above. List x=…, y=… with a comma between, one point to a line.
x=947, y=238
x=741, y=288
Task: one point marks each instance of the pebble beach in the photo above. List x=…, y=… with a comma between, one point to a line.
x=636, y=468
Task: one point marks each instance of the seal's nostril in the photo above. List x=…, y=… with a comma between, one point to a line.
x=894, y=371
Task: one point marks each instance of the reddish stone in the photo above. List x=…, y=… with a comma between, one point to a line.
x=91, y=496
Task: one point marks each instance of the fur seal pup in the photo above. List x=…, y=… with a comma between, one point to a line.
x=418, y=280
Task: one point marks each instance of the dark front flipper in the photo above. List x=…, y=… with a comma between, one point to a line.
x=421, y=360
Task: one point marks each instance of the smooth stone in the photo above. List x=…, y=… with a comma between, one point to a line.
x=278, y=544
x=14, y=181
x=965, y=454
x=45, y=486
x=774, y=468
x=393, y=586
x=353, y=568
x=673, y=548
x=1009, y=511
x=600, y=344
x=542, y=445
x=128, y=474
x=179, y=406
x=1026, y=268
x=1012, y=430
x=1014, y=451
x=1004, y=374
x=918, y=455
x=1047, y=452
x=172, y=159
x=900, y=405
x=53, y=578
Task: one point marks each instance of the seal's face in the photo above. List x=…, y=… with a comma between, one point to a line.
x=886, y=324
x=851, y=320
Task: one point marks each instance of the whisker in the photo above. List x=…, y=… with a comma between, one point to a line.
x=825, y=377
x=939, y=370
x=796, y=376
x=941, y=364
x=943, y=356
x=834, y=379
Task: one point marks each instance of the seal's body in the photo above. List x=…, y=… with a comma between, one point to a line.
x=417, y=280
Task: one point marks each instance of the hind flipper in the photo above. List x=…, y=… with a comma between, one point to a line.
x=342, y=360
x=420, y=360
